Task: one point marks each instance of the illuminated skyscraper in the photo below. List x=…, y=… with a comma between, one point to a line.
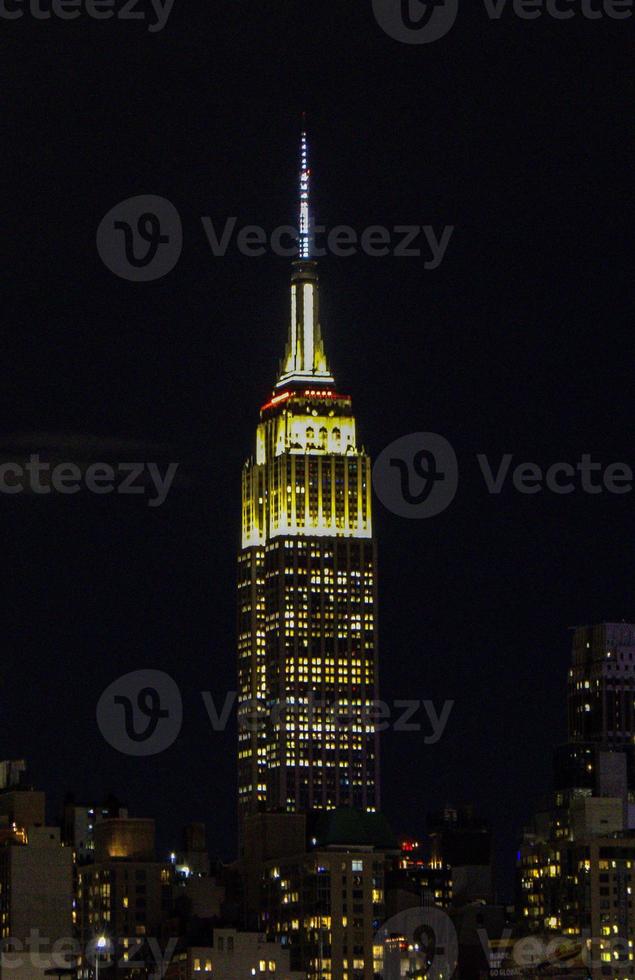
x=576, y=859
x=601, y=703
x=307, y=645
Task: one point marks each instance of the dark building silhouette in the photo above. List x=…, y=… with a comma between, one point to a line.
x=463, y=842
x=600, y=706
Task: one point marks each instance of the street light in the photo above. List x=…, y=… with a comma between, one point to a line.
x=101, y=943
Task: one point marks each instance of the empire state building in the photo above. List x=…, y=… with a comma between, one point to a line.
x=307, y=581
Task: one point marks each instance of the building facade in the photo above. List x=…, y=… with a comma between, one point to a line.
x=36, y=888
x=582, y=889
x=319, y=884
x=125, y=895
x=601, y=703
x=234, y=955
x=78, y=827
x=576, y=863
x=307, y=583
x=415, y=879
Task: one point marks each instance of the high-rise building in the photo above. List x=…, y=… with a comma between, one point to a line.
x=318, y=881
x=576, y=864
x=581, y=888
x=601, y=704
x=307, y=582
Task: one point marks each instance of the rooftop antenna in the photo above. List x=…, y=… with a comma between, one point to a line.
x=304, y=251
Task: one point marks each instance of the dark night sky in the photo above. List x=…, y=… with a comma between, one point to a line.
x=514, y=132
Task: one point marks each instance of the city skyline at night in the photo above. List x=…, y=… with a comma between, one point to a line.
x=316, y=489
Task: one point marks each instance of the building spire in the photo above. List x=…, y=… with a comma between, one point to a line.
x=304, y=361
x=305, y=229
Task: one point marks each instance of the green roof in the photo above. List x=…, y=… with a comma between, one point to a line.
x=347, y=827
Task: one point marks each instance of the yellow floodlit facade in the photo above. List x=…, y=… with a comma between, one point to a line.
x=307, y=644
